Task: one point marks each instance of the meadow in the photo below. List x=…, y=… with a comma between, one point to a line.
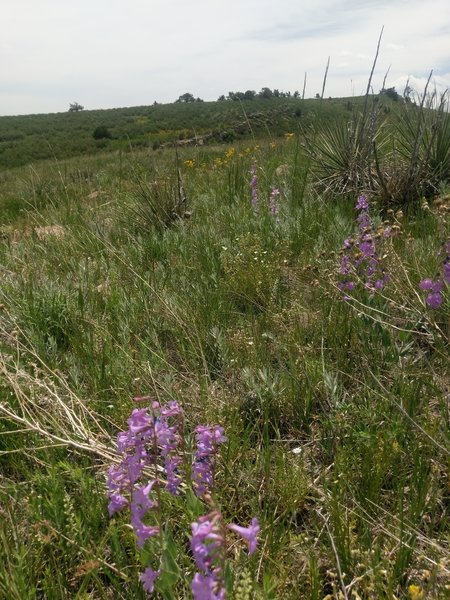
x=289, y=293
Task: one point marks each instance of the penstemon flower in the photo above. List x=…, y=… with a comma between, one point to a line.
x=148, y=579
x=208, y=439
x=208, y=549
x=250, y=533
x=152, y=445
x=360, y=261
x=273, y=201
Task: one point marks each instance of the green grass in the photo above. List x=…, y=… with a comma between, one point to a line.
x=237, y=316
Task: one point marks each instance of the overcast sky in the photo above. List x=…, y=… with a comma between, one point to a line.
x=114, y=53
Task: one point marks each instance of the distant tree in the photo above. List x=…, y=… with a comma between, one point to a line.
x=185, y=98
x=75, y=107
x=266, y=93
x=317, y=96
x=199, y=100
x=249, y=95
x=390, y=93
x=101, y=133
x=296, y=94
x=221, y=98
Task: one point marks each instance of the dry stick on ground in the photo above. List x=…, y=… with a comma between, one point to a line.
x=62, y=425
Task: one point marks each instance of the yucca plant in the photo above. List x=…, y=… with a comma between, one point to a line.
x=157, y=201
x=419, y=160
x=344, y=154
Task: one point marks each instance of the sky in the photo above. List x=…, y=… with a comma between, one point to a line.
x=115, y=53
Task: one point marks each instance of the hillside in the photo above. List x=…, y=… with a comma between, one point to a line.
x=25, y=139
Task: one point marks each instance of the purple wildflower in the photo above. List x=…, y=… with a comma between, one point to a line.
x=434, y=300
x=141, y=502
x=172, y=410
x=204, y=587
x=143, y=532
x=446, y=271
x=148, y=579
x=426, y=284
x=207, y=546
x=250, y=533
x=273, y=201
x=208, y=439
x=117, y=502
x=139, y=421
x=360, y=262
x=436, y=287
x=362, y=203
x=206, y=540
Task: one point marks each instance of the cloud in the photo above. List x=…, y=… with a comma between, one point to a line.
x=110, y=53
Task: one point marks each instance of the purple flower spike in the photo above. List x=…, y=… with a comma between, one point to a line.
x=148, y=579
x=208, y=438
x=273, y=201
x=207, y=546
x=250, y=534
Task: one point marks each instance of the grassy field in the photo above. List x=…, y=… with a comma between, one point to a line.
x=237, y=281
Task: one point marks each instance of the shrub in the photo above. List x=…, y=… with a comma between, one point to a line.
x=101, y=133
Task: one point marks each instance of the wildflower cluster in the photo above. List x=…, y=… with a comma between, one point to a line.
x=436, y=287
x=360, y=261
x=150, y=443
x=153, y=457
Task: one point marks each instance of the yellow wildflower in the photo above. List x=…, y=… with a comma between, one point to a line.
x=416, y=593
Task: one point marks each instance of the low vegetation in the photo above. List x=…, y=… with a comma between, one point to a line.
x=280, y=304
